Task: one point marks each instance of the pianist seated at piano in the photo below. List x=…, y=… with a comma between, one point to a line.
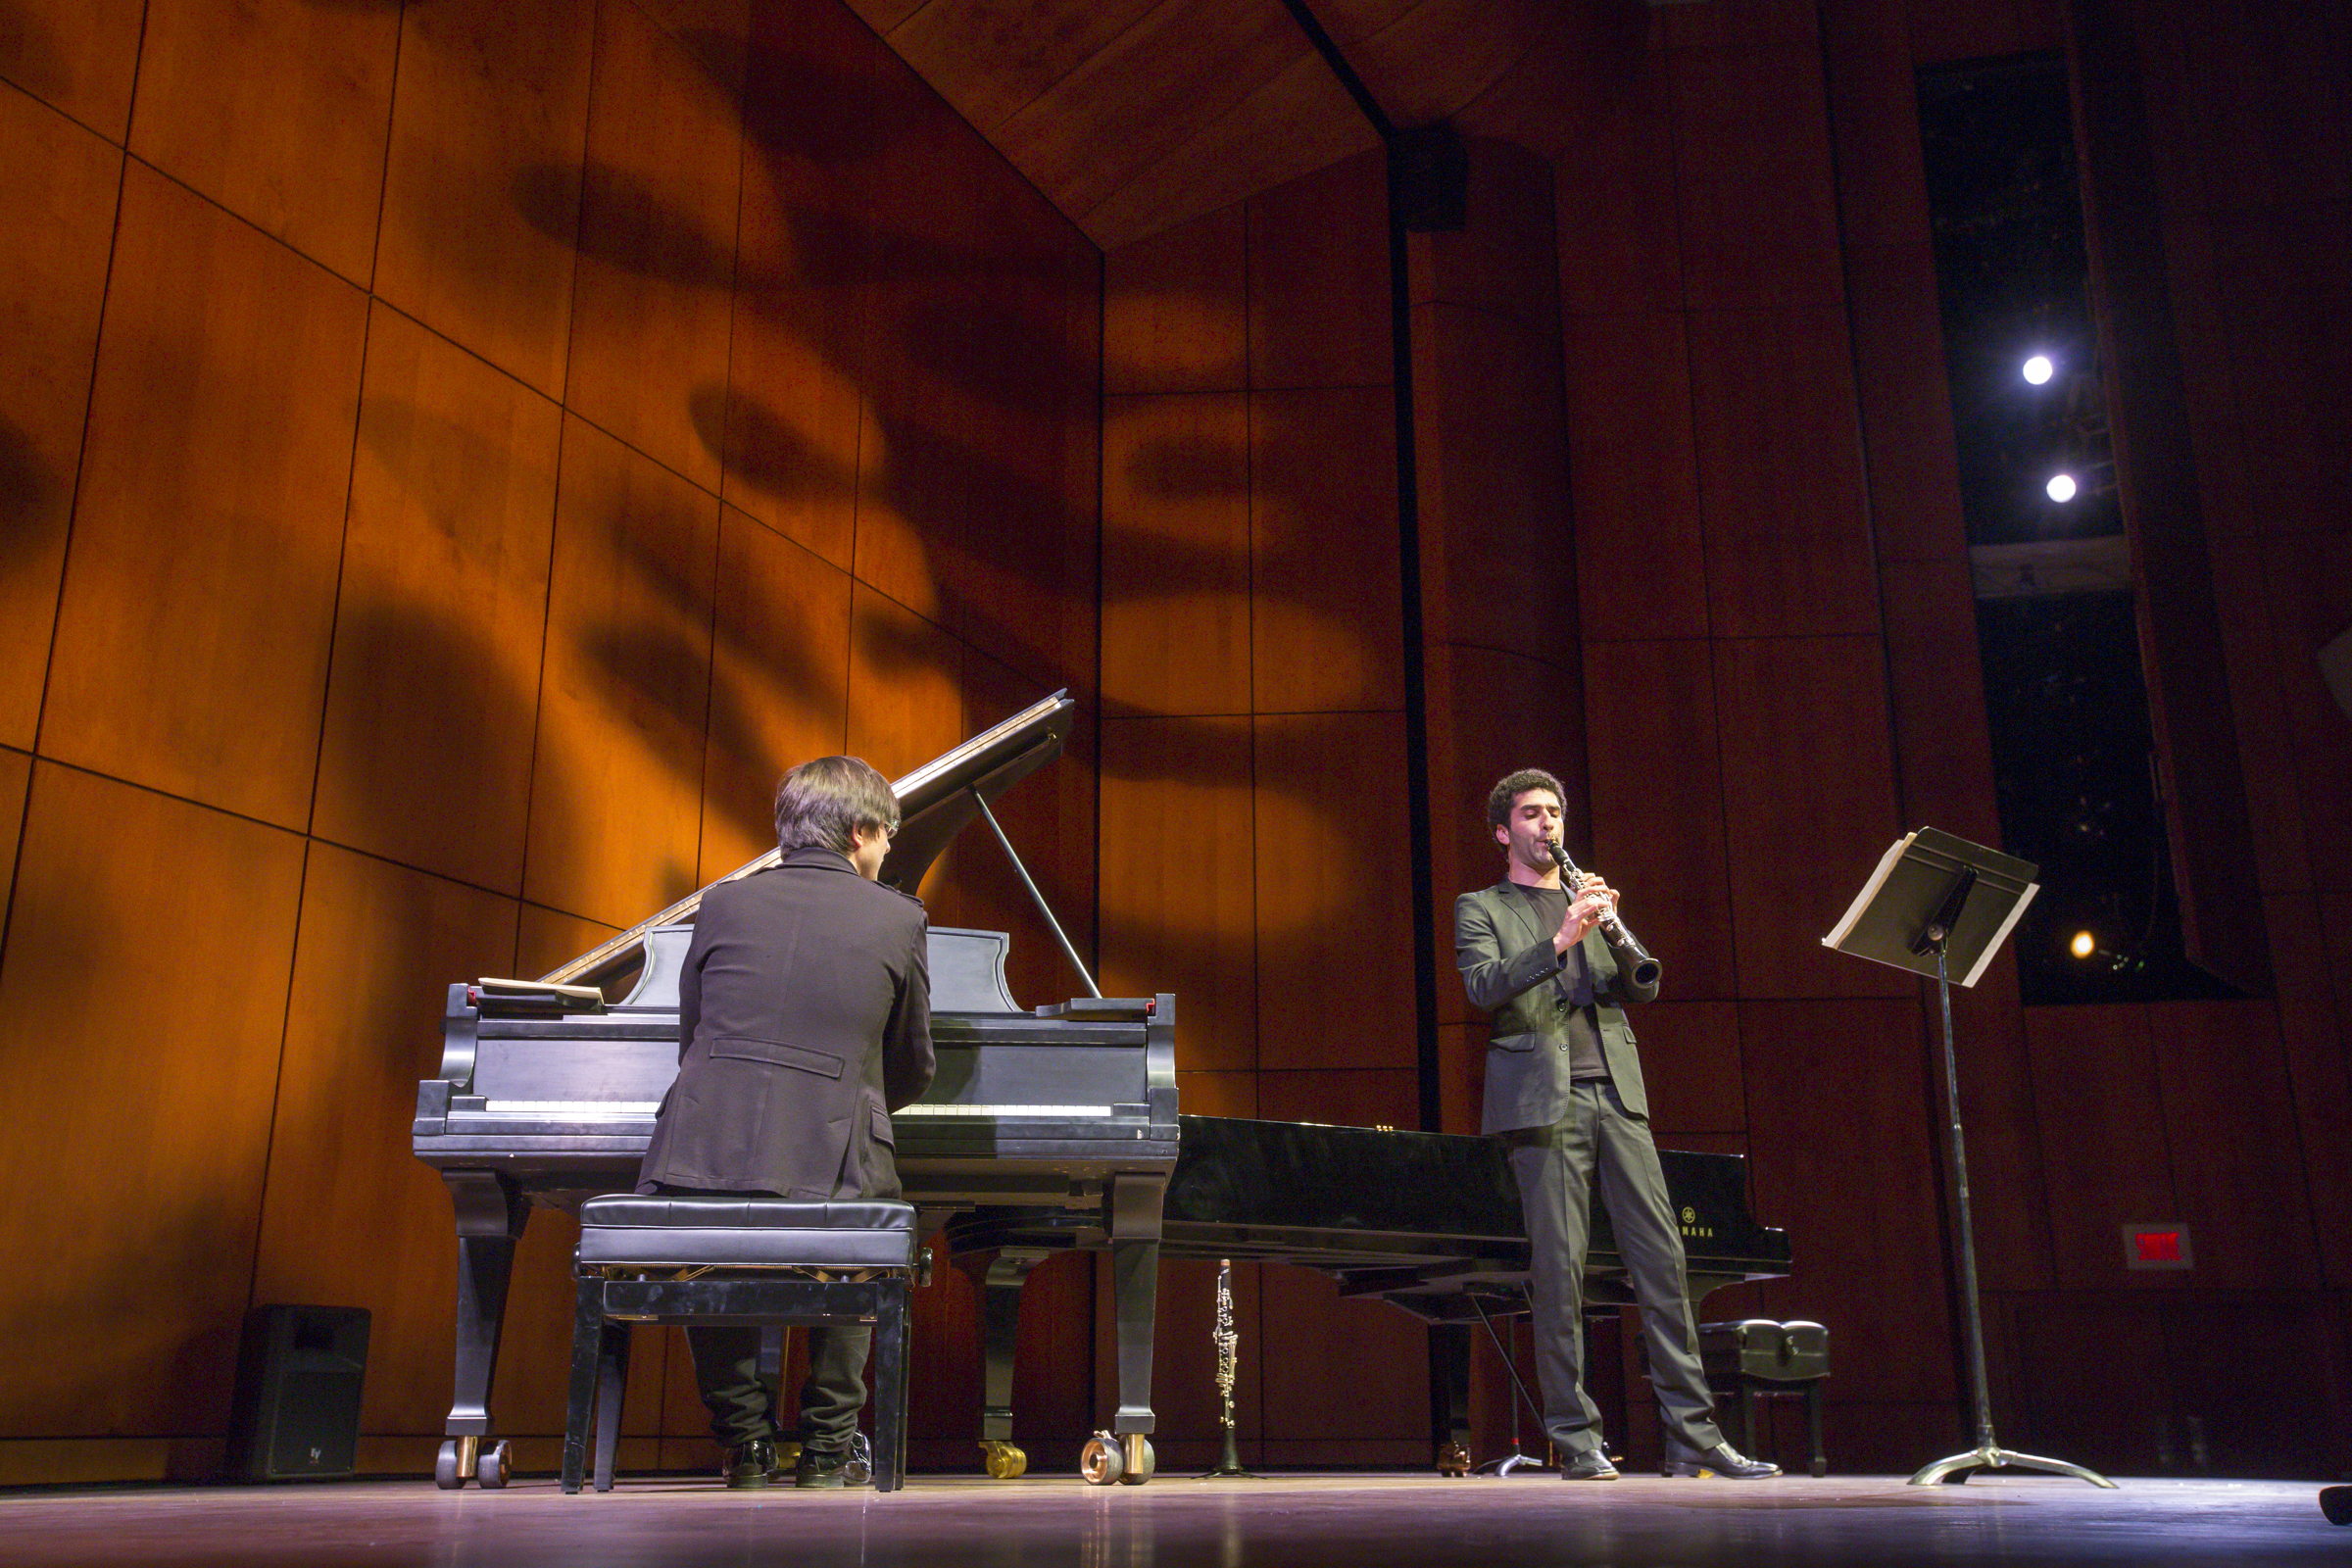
x=803, y=1021
x=1544, y=952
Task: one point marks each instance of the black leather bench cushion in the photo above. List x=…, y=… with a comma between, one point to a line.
x=627, y=1229
x=1758, y=1347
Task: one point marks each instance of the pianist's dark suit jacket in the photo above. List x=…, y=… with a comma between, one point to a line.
x=1508, y=967
x=804, y=1019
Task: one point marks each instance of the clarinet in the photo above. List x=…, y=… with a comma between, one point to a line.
x=1644, y=967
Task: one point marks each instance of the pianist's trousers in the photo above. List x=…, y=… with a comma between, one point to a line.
x=726, y=1367
x=1557, y=1168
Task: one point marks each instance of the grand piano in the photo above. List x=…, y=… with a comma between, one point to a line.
x=1046, y=1128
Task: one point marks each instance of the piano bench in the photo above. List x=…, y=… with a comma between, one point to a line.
x=1757, y=1358
x=743, y=1262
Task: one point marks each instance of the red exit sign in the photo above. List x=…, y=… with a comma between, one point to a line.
x=2157, y=1247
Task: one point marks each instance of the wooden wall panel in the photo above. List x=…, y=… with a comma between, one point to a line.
x=905, y=685
x=58, y=185
x=1861, y=1245
x=1658, y=788
x=1492, y=479
x=1944, y=750
x=1743, y=21
x=1178, y=884
x=79, y=57
x=1808, y=807
x=779, y=684
x=482, y=180
x=1503, y=263
x=16, y=774
x=433, y=696
x=146, y=1253
x=1176, y=555
x=544, y=940
x=1906, y=402
x=1332, y=906
x=1341, y=1097
x=652, y=297
x=1690, y=1063
x=303, y=161
x=2097, y=1100
x=2311, y=598
x=2259, y=702
x=2237, y=1159
x=2310, y=1026
x=1961, y=29
x=2002, y=1127
x=1324, y=602
x=1614, y=196
x=617, y=772
x=1754, y=178
x=1175, y=309
x=351, y=1217
x=1873, y=124
x=218, y=460
x=1779, y=465
x=1632, y=472
x=1319, y=280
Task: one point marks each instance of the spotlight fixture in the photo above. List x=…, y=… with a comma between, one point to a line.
x=2061, y=487
x=2039, y=370
x=2083, y=945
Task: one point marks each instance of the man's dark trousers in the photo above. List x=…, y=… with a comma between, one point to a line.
x=1557, y=1168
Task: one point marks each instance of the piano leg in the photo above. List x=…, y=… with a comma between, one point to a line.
x=1135, y=1215
x=490, y=1215
x=1000, y=1340
x=1450, y=1398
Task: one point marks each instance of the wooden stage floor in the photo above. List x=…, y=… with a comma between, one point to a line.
x=1315, y=1521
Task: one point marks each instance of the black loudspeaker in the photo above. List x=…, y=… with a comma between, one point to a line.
x=1429, y=179
x=299, y=1375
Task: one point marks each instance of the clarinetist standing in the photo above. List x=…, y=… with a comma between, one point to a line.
x=1553, y=965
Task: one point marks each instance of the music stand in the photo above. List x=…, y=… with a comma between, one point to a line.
x=1936, y=903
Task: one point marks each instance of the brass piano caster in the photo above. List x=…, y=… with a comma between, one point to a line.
x=1141, y=1461
x=1102, y=1461
x=493, y=1465
x=1006, y=1461
x=1453, y=1460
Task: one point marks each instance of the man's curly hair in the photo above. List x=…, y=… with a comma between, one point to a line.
x=1511, y=786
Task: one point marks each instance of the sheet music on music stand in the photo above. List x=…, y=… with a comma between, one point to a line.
x=1883, y=922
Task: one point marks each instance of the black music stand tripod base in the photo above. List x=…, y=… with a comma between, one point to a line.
x=1917, y=907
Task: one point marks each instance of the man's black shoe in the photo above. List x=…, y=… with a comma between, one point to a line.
x=819, y=1469
x=748, y=1464
x=1722, y=1461
x=1588, y=1466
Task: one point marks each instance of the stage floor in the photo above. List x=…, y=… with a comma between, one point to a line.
x=1344, y=1521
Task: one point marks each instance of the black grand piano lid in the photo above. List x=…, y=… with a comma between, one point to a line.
x=935, y=804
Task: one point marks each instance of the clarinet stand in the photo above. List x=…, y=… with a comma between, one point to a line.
x=1517, y=1461
x=1917, y=907
x=1228, y=1341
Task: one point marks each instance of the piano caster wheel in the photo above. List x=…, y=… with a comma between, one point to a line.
x=1141, y=1461
x=446, y=1474
x=494, y=1465
x=1453, y=1460
x=1100, y=1461
x=1006, y=1461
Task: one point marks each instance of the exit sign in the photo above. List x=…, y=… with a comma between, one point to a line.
x=2157, y=1247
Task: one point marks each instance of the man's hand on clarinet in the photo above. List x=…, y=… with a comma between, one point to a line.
x=1592, y=899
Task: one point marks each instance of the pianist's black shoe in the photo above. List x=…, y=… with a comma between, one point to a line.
x=820, y=1469
x=748, y=1464
x=1722, y=1461
x=1592, y=1465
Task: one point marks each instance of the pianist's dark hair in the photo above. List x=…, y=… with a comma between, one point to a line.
x=1511, y=786
x=819, y=804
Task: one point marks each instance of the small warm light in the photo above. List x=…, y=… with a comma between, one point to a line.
x=2039, y=370
x=2061, y=487
x=2083, y=945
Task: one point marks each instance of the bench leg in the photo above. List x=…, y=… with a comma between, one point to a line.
x=587, y=1346
x=611, y=1385
x=1821, y=1459
x=889, y=1382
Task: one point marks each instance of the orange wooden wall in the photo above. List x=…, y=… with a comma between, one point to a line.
x=452, y=457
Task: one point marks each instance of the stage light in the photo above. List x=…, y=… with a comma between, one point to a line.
x=2039, y=368
x=2083, y=945
x=2061, y=487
